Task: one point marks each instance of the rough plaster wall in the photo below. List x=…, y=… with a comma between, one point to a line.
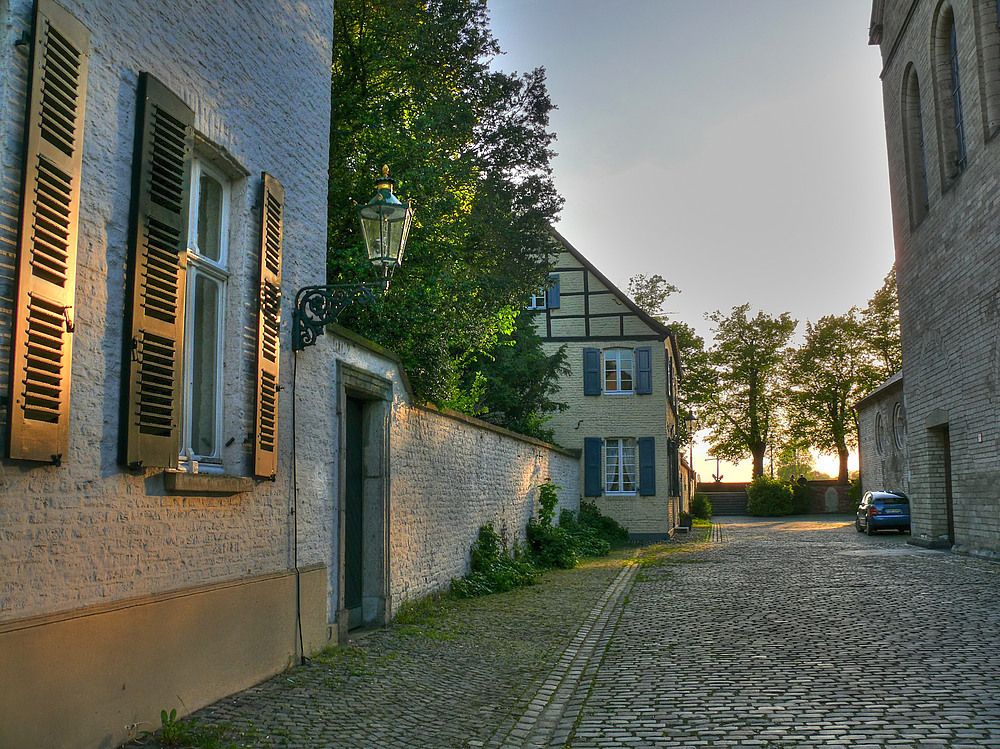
x=949, y=282
x=449, y=476
x=88, y=532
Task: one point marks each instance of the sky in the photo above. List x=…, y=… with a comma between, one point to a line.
x=735, y=148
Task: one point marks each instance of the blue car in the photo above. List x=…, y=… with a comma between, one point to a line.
x=878, y=511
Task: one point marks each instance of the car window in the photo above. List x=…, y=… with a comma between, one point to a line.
x=892, y=499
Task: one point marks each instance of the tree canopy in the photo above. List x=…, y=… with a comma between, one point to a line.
x=881, y=323
x=744, y=400
x=412, y=88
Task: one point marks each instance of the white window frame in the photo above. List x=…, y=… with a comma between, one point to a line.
x=624, y=451
x=615, y=355
x=218, y=271
x=537, y=300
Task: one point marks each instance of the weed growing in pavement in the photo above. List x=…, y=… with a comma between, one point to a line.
x=494, y=569
x=190, y=734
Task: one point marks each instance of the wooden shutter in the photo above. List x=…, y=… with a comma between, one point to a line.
x=157, y=265
x=269, y=321
x=593, y=483
x=552, y=293
x=644, y=371
x=591, y=371
x=50, y=206
x=647, y=466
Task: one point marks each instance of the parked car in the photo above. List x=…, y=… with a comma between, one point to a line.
x=880, y=511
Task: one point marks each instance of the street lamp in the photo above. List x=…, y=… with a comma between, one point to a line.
x=385, y=226
x=692, y=425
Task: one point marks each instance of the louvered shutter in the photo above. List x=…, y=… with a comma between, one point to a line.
x=591, y=371
x=157, y=263
x=50, y=206
x=552, y=293
x=265, y=448
x=644, y=371
x=647, y=466
x=593, y=484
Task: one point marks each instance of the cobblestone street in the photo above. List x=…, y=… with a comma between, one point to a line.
x=794, y=633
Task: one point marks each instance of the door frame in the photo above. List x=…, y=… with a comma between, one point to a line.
x=375, y=393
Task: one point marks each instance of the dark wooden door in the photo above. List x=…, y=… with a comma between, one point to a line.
x=354, y=510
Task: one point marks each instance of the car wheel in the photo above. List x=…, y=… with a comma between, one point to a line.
x=857, y=525
x=868, y=529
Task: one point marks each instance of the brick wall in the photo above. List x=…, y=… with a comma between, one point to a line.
x=948, y=270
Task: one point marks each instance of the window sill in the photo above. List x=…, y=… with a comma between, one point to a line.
x=182, y=482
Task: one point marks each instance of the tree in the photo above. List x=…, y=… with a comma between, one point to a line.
x=517, y=384
x=792, y=460
x=650, y=293
x=880, y=320
x=829, y=373
x=744, y=398
x=412, y=88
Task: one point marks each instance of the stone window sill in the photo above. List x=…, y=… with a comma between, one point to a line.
x=182, y=482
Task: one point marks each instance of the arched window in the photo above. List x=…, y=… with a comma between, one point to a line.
x=948, y=85
x=899, y=425
x=879, y=434
x=915, y=156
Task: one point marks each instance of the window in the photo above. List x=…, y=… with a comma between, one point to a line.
x=178, y=278
x=879, y=434
x=620, y=460
x=618, y=371
x=207, y=276
x=537, y=300
x=548, y=297
x=914, y=153
x=956, y=96
x=899, y=425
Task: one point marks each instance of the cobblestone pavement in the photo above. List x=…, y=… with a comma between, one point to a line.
x=794, y=633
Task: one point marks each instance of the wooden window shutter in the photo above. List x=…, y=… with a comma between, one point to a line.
x=647, y=466
x=265, y=444
x=593, y=482
x=50, y=206
x=644, y=370
x=152, y=359
x=591, y=371
x=552, y=293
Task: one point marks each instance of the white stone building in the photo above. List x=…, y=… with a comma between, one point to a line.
x=941, y=91
x=164, y=177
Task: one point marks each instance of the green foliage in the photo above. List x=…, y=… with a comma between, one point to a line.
x=744, y=395
x=769, y=498
x=855, y=491
x=551, y=546
x=412, y=87
x=650, y=294
x=607, y=528
x=701, y=507
x=829, y=373
x=189, y=733
x=548, y=498
x=801, y=498
x=519, y=381
x=880, y=320
x=493, y=569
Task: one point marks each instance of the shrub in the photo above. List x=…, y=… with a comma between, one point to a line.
x=551, y=546
x=607, y=528
x=768, y=497
x=801, y=498
x=548, y=498
x=493, y=569
x=701, y=508
x=855, y=491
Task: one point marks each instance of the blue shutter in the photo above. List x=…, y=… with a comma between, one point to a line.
x=644, y=371
x=593, y=486
x=647, y=466
x=591, y=371
x=552, y=294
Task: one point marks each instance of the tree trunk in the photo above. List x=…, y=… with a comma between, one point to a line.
x=758, y=460
x=845, y=476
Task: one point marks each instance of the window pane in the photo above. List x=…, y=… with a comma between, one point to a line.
x=610, y=372
x=611, y=464
x=205, y=364
x=628, y=465
x=210, y=218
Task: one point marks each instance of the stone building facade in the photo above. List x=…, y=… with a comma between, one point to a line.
x=882, y=448
x=622, y=395
x=941, y=89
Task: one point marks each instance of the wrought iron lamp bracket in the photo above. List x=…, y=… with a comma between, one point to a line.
x=318, y=306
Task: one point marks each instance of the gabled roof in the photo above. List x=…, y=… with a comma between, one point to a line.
x=624, y=298
x=896, y=379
